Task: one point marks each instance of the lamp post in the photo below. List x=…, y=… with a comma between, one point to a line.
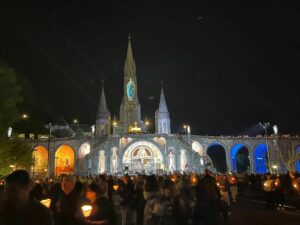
x=147, y=124
x=25, y=118
x=185, y=129
x=265, y=126
x=48, y=126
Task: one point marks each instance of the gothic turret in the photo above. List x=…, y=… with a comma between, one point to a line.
x=162, y=117
x=103, y=117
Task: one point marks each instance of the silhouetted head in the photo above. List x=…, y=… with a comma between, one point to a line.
x=18, y=185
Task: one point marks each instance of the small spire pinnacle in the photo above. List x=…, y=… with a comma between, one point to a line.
x=102, y=108
x=162, y=102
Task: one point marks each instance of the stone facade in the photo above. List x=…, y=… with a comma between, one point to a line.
x=161, y=152
x=194, y=146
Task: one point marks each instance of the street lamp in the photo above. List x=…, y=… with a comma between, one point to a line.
x=265, y=126
x=25, y=117
x=185, y=128
x=48, y=126
x=147, y=124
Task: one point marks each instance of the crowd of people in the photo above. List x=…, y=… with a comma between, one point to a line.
x=175, y=199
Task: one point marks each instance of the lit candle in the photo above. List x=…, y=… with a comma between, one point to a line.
x=86, y=210
x=116, y=187
x=46, y=202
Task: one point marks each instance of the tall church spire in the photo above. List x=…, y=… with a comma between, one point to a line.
x=103, y=116
x=129, y=69
x=102, y=108
x=162, y=102
x=162, y=117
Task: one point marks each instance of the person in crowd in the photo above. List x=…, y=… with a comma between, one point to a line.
x=268, y=187
x=279, y=195
x=139, y=199
x=151, y=195
x=233, y=186
x=16, y=207
x=208, y=197
x=166, y=202
x=117, y=201
x=128, y=203
x=104, y=210
x=69, y=206
x=184, y=206
x=223, y=184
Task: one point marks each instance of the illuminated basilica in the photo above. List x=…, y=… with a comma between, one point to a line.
x=125, y=146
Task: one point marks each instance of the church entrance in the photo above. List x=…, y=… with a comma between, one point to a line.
x=143, y=157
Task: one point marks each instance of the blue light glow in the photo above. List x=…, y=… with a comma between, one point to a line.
x=235, y=149
x=260, y=158
x=298, y=161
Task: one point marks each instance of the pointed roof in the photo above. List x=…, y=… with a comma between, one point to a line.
x=129, y=62
x=162, y=102
x=102, y=108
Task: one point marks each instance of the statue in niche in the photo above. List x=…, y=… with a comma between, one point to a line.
x=102, y=162
x=171, y=161
x=114, y=161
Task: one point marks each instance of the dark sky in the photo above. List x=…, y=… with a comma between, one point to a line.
x=226, y=65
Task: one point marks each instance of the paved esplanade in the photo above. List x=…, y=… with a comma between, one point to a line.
x=249, y=212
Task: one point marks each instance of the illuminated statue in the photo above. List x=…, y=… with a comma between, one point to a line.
x=130, y=90
x=171, y=162
x=114, y=161
x=183, y=161
x=102, y=162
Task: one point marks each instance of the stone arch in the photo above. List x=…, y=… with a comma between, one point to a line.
x=216, y=151
x=197, y=147
x=143, y=156
x=298, y=161
x=40, y=156
x=240, y=158
x=260, y=158
x=64, y=160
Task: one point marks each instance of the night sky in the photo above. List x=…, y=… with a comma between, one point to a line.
x=226, y=65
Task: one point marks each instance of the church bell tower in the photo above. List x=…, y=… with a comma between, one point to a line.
x=130, y=110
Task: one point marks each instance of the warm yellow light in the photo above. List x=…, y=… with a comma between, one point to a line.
x=116, y=187
x=115, y=123
x=86, y=210
x=24, y=116
x=274, y=166
x=46, y=202
x=218, y=184
x=184, y=126
x=147, y=123
x=75, y=121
